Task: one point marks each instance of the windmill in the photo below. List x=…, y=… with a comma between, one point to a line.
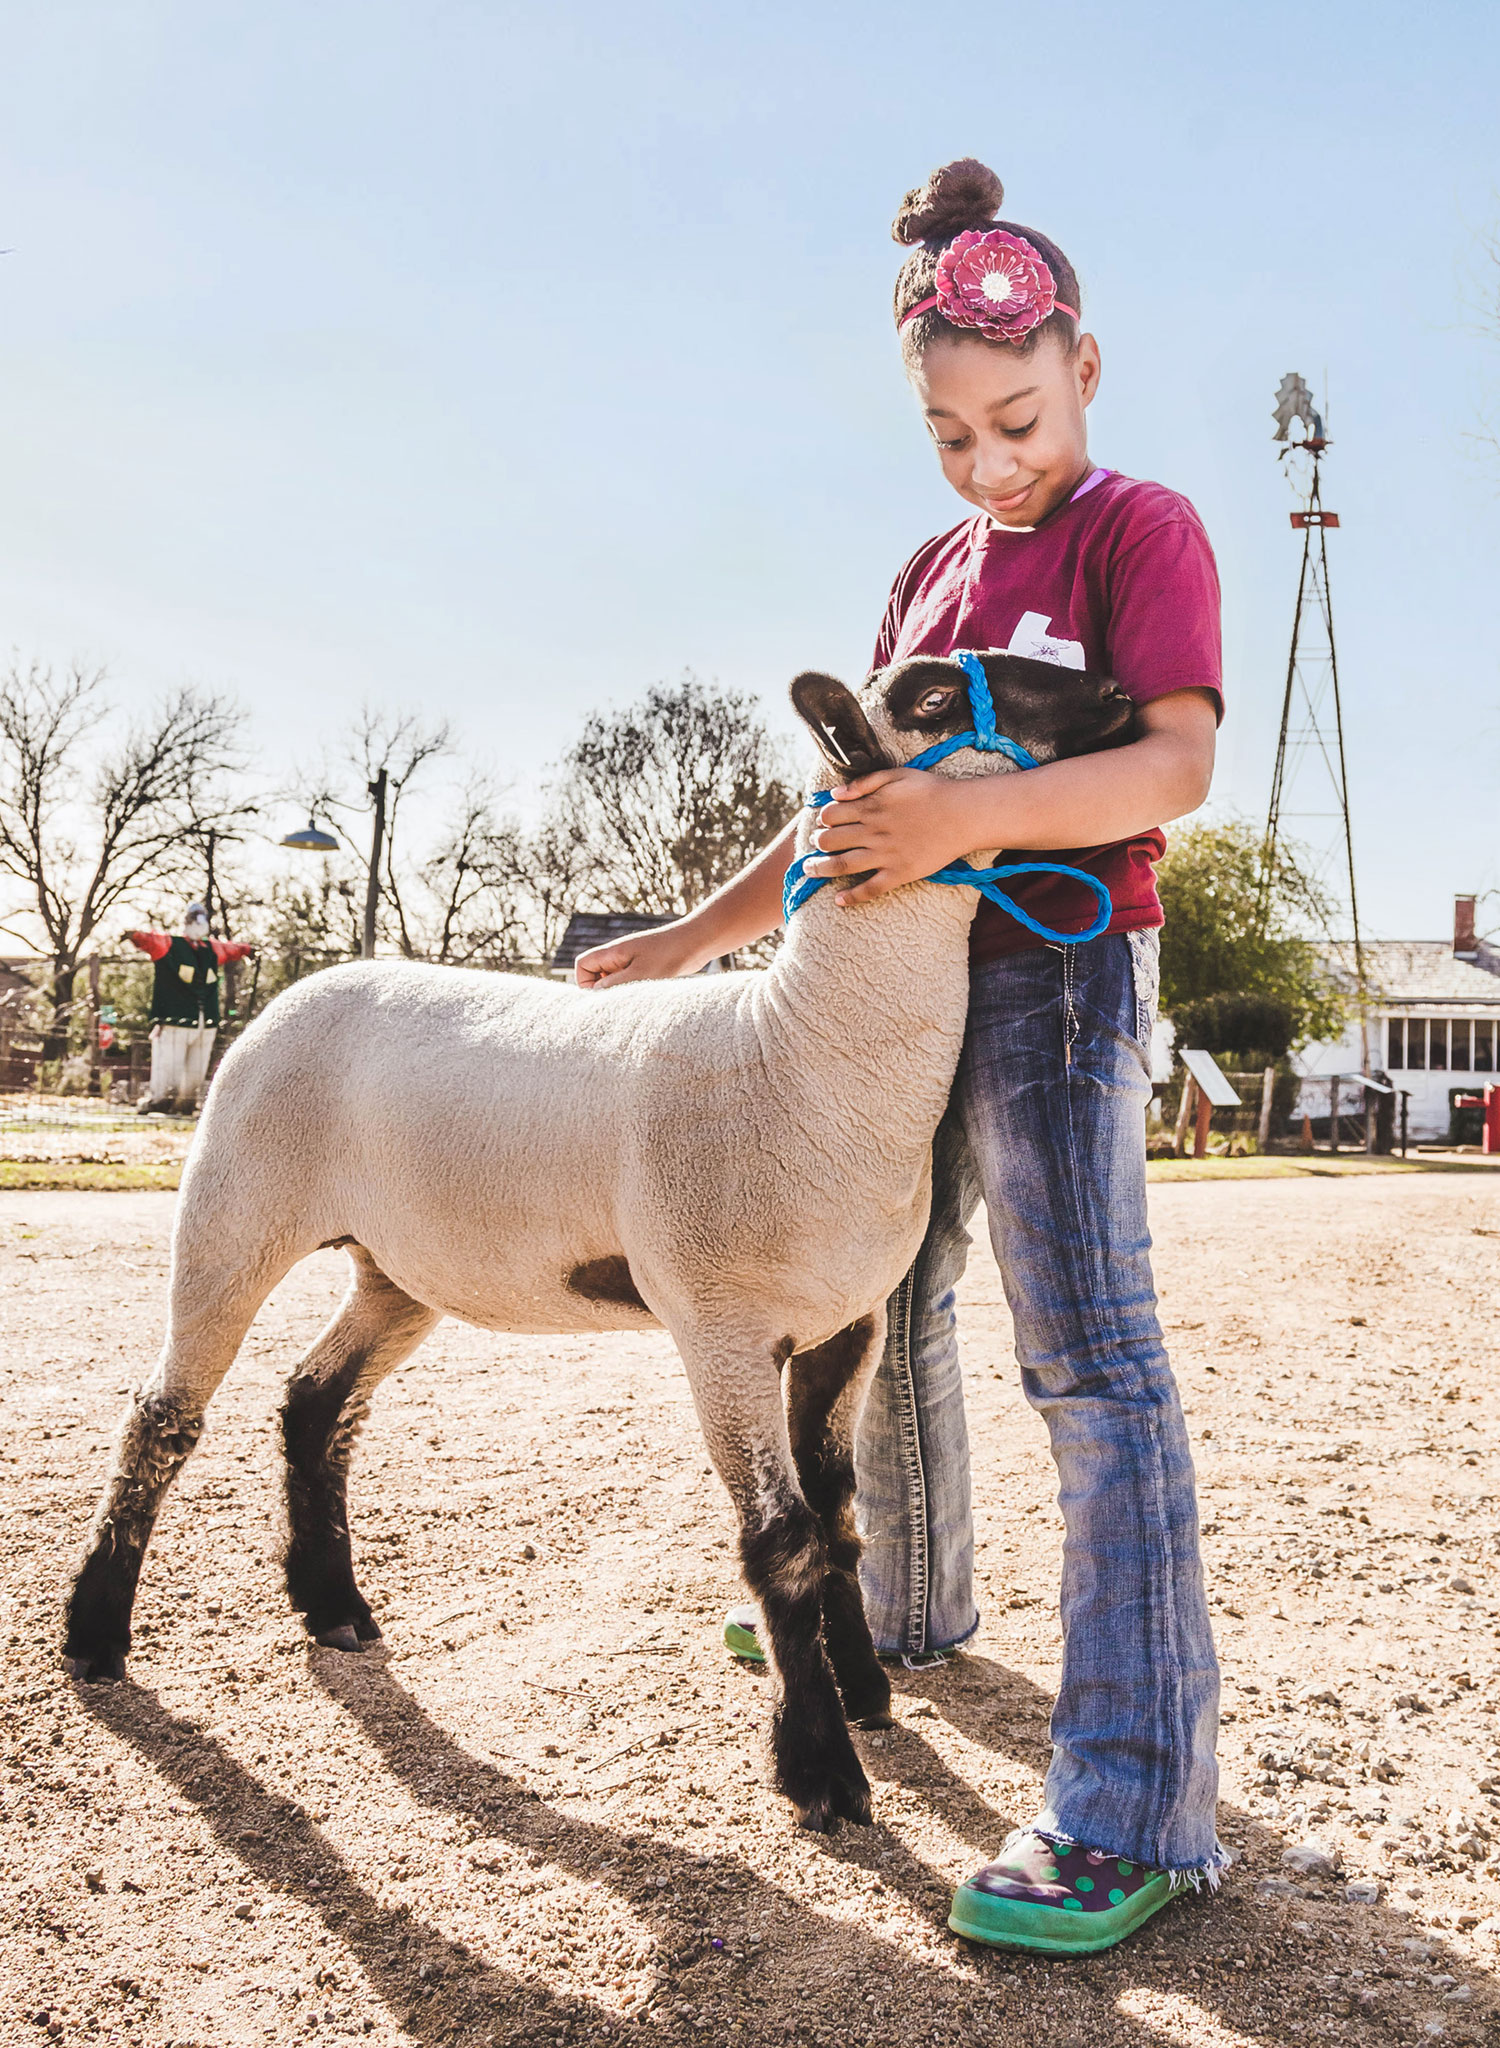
x=1311, y=770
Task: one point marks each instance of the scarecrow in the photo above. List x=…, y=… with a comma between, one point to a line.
x=184, y=1006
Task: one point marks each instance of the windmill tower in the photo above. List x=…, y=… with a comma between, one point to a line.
x=1310, y=787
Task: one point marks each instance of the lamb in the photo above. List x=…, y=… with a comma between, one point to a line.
x=743, y=1159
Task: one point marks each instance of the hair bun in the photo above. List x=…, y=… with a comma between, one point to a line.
x=960, y=195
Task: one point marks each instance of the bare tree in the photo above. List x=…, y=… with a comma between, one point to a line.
x=1482, y=307
x=401, y=747
x=399, y=744
x=86, y=822
x=474, y=884
x=677, y=792
x=560, y=870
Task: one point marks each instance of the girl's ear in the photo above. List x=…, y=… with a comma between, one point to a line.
x=833, y=716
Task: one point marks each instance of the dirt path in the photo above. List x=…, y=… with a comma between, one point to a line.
x=541, y=1816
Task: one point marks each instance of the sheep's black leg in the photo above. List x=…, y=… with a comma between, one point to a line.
x=785, y=1555
x=327, y=1399
x=213, y=1297
x=825, y=1391
x=155, y=1443
x=319, y=1422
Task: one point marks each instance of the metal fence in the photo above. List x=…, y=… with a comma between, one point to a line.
x=35, y=1115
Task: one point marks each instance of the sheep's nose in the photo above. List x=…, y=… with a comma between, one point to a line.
x=1113, y=694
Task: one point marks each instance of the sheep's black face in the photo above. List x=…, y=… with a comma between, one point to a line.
x=1053, y=712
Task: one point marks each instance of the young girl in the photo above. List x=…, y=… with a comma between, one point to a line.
x=1077, y=565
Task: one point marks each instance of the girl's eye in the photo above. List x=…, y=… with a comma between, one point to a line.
x=933, y=702
x=949, y=447
x=1020, y=433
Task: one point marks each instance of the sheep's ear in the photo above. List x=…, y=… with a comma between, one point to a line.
x=834, y=717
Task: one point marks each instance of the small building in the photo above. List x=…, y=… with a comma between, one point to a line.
x=588, y=928
x=1432, y=1031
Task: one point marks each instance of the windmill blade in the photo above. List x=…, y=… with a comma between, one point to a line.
x=1294, y=402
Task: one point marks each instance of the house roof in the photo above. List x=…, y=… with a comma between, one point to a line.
x=1410, y=972
x=597, y=927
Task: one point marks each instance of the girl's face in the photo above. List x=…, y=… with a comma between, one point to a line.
x=1010, y=429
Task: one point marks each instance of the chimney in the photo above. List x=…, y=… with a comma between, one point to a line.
x=1465, y=945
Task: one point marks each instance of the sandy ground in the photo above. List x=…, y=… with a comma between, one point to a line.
x=541, y=1814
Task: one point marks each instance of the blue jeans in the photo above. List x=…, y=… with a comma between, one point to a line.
x=1047, y=1126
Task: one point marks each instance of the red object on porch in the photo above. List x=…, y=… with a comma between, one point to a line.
x=1489, y=1102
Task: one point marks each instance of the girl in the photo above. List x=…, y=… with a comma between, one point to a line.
x=1078, y=565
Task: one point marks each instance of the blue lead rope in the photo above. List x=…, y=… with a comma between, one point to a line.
x=986, y=740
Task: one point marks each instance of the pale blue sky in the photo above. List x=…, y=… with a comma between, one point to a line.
x=504, y=360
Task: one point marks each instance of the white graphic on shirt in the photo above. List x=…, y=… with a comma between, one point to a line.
x=1031, y=638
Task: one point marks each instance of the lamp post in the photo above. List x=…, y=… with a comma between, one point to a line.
x=314, y=840
x=372, y=886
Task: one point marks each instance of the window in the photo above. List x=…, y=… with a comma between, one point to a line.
x=1416, y=1042
x=1437, y=1042
x=1395, y=1034
x=1462, y=1061
x=1484, y=1046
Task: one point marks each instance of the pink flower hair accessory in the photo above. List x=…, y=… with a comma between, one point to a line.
x=994, y=282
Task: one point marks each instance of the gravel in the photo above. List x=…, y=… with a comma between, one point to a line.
x=540, y=1815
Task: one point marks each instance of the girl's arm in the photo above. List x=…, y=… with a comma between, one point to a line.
x=904, y=823
x=743, y=911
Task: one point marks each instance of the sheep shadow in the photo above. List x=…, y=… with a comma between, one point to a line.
x=441, y=1989
x=275, y=1839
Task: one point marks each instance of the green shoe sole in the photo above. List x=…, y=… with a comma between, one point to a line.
x=1055, y=1930
x=741, y=1640
x=740, y=1637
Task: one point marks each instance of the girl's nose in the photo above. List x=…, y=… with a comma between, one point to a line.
x=994, y=467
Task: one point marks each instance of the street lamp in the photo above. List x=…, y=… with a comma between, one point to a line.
x=312, y=840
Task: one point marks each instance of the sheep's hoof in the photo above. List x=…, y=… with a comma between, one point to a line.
x=842, y=1792
x=345, y=1637
x=882, y=1717
x=353, y=1635
x=106, y=1667
x=844, y=1800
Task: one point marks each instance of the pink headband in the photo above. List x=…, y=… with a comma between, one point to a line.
x=994, y=281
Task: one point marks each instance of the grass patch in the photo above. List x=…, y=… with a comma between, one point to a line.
x=101, y=1176
x=1320, y=1166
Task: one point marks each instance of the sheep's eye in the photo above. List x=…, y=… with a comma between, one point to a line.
x=932, y=702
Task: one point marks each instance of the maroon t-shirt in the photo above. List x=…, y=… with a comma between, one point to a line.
x=1120, y=579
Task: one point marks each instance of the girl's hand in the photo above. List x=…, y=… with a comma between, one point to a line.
x=645, y=956
x=902, y=822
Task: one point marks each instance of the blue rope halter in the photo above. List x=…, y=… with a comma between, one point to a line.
x=800, y=885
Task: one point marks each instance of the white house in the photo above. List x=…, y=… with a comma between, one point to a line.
x=1433, y=1027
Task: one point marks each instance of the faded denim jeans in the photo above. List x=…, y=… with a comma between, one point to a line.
x=1047, y=1127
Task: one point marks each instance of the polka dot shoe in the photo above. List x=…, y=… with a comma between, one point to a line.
x=1057, y=1896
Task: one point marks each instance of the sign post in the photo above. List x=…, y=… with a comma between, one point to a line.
x=1214, y=1091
